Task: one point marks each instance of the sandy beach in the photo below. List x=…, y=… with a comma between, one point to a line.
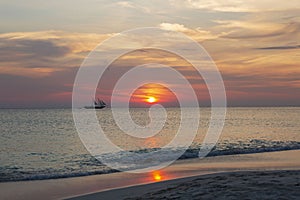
x=282, y=184
x=236, y=185
x=180, y=180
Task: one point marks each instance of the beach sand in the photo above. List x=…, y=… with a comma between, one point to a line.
x=236, y=185
x=249, y=176
x=230, y=185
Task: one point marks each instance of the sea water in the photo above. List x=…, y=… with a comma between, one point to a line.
x=43, y=143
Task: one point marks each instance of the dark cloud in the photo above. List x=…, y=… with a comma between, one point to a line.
x=22, y=49
x=280, y=47
x=43, y=48
x=290, y=30
x=244, y=35
x=259, y=89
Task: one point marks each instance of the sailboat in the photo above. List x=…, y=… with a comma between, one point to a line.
x=97, y=104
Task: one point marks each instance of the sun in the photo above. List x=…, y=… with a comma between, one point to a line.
x=151, y=100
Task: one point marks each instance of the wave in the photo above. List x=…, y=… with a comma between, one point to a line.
x=259, y=146
x=87, y=165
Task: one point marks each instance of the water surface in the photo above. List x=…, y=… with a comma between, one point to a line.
x=43, y=143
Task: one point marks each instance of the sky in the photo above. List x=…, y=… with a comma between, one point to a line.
x=255, y=45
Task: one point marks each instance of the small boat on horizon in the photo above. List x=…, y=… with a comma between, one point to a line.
x=97, y=104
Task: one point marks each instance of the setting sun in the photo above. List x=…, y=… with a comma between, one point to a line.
x=151, y=100
x=151, y=94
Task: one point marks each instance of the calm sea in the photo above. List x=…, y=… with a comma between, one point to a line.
x=43, y=143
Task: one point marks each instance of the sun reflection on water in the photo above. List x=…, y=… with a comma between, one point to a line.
x=157, y=176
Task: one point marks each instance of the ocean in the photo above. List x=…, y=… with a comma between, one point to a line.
x=43, y=143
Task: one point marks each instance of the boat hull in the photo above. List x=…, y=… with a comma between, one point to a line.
x=94, y=107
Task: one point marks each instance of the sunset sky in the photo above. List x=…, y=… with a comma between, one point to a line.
x=255, y=45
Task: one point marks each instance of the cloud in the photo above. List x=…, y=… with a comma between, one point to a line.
x=238, y=5
x=235, y=45
x=173, y=27
x=197, y=34
x=26, y=48
x=256, y=87
x=77, y=42
x=38, y=54
x=256, y=29
x=280, y=47
x=125, y=4
x=135, y=6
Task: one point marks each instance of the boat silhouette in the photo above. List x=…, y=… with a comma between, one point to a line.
x=97, y=104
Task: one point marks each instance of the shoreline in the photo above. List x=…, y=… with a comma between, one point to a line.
x=95, y=184
x=222, y=185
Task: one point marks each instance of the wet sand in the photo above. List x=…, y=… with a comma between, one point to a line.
x=180, y=176
x=230, y=185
